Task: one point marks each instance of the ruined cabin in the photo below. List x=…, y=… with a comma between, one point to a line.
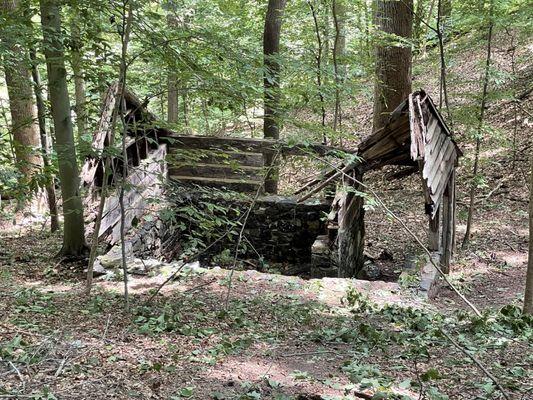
x=285, y=229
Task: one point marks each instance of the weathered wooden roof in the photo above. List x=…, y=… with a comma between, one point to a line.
x=415, y=134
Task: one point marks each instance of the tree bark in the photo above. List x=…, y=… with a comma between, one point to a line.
x=271, y=40
x=339, y=46
x=318, y=59
x=172, y=81
x=74, y=233
x=528, y=295
x=41, y=112
x=79, y=79
x=26, y=140
x=393, y=63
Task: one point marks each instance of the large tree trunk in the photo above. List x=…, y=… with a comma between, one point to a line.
x=73, y=235
x=271, y=39
x=528, y=296
x=17, y=70
x=393, y=63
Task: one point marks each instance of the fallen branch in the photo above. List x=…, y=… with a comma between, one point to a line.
x=478, y=363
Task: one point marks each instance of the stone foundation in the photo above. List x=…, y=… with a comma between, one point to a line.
x=282, y=230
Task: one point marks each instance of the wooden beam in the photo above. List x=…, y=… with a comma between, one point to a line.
x=448, y=224
x=351, y=233
x=264, y=146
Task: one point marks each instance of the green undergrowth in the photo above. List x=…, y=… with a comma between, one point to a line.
x=391, y=351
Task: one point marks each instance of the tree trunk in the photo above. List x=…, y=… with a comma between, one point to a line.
x=393, y=63
x=481, y=115
x=17, y=69
x=79, y=80
x=271, y=39
x=173, y=95
x=41, y=112
x=528, y=296
x=339, y=46
x=418, y=25
x=426, y=28
x=318, y=58
x=172, y=81
x=73, y=235
x=445, y=15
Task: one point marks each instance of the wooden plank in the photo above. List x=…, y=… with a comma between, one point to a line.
x=442, y=156
x=216, y=171
x=399, y=128
x=246, y=159
x=143, y=177
x=265, y=146
x=238, y=185
x=433, y=232
x=448, y=224
x=433, y=124
x=387, y=143
x=445, y=175
x=443, y=162
x=351, y=232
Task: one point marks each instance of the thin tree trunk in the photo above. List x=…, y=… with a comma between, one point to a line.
x=74, y=233
x=41, y=112
x=79, y=80
x=471, y=204
x=443, y=92
x=184, y=101
x=418, y=24
x=339, y=14
x=271, y=41
x=172, y=99
x=127, y=21
x=26, y=140
x=425, y=32
x=393, y=63
x=445, y=15
x=172, y=81
x=318, y=59
x=528, y=295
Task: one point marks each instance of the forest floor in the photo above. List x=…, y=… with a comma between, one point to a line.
x=272, y=336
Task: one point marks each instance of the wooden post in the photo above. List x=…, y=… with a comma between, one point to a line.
x=433, y=234
x=448, y=224
x=351, y=236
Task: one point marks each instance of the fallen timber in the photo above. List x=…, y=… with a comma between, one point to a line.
x=417, y=137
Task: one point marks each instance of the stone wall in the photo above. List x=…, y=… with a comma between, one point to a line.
x=282, y=230
x=278, y=228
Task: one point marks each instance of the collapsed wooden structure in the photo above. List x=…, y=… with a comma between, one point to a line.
x=416, y=135
x=155, y=154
